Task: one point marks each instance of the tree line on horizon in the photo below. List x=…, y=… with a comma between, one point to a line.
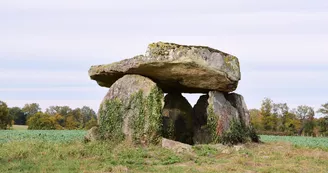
x=272, y=118
x=54, y=118
x=278, y=119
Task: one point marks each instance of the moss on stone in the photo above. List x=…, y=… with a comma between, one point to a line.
x=157, y=48
x=146, y=125
x=232, y=62
x=111, y=120
x=154, y=103
x=237, y=133
x=145, y=122
x=212, y=124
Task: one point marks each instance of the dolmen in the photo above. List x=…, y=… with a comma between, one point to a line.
x=145, y=102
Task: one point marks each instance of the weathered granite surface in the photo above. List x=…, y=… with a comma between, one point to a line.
x=176, y=68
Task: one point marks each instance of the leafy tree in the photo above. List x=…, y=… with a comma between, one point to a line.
x=292, y=124
x=306, y=117
x=61, y=110
x=5, y=119
x=62, y=113
x=269, y=119
x=88, y=115
x=41, y=121
x=91, y=123
x=31, y=109
x=18, y=115
x=72, y=118
x=324, y=109
x=323, y=125
x=71, y=123
x=59, y=121
x=256, y=119
x=281, y=111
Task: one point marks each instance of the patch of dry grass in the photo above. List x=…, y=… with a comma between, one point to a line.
x=19, y=127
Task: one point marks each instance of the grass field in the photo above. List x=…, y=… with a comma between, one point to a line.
x=19, y=127
x=65, y=151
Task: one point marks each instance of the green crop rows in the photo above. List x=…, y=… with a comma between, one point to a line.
x=78, y=135
x=43, y=135
x=311, y=142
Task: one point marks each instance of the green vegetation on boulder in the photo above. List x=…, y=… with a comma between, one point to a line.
x=227, y=120
x=131, y=110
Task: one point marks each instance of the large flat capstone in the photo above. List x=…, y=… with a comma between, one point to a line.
x=176, y=68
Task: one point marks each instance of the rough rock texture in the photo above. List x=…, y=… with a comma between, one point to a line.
x=202, y=135
x=176, y=68
x=176, y=146
x=92, y=134
x=200, y=111
x=221, y=109
x=177, y=118
x=131, y=110
x=238, y=102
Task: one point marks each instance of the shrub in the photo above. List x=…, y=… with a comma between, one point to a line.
x=41, y=121
x=5, y=119
x=239, y=133
x=252, y=134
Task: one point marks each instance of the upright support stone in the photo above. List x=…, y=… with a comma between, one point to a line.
x=221, y=110
x=238, y=102
x=200, y=111
x=177, y=118
x=201, y=132
x=131, y=110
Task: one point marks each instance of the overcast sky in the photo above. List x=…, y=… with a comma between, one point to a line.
x=47, y=47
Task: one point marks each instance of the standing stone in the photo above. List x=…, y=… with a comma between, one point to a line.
x=131, y=110
x=200, y=111
x=177, y=118
x=201, y=133
x=238, y=102
x=221, y=109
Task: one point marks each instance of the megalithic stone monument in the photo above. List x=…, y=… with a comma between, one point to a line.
x=134, y=108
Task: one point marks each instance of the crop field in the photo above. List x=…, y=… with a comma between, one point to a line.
x=41, y=135
x=301, y=141
x=65, y=151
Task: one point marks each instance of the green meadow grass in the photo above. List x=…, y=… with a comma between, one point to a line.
x=66, y=151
